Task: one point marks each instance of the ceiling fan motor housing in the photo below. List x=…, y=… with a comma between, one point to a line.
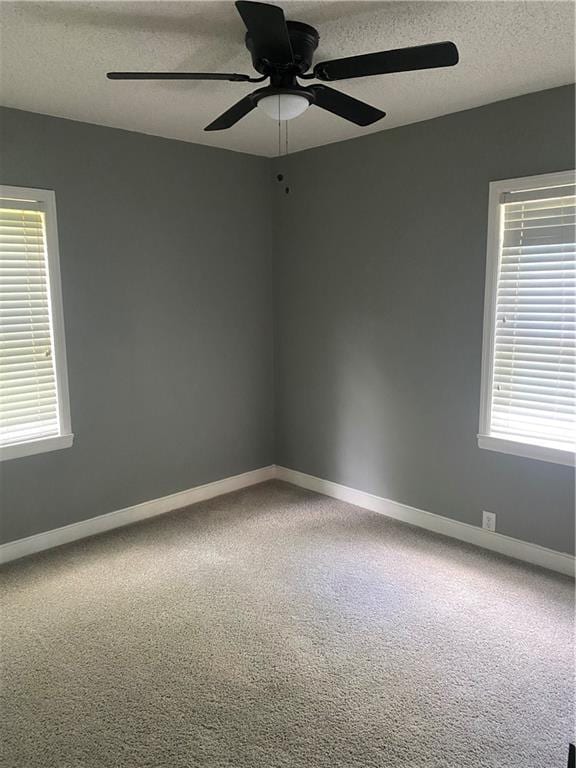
x=304, y=41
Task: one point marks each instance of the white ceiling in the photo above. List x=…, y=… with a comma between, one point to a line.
x=54, y=56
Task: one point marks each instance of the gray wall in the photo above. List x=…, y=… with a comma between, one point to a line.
x=379, y=283
x=166, y=277
x=172, y=257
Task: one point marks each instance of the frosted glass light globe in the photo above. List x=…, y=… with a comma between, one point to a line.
x=283, y=106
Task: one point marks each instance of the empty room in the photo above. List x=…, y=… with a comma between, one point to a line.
x=287, y=384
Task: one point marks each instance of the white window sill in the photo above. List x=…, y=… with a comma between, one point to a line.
x=42, y=445
x=528, y=450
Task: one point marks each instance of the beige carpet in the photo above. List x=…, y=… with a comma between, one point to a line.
x=274, y=627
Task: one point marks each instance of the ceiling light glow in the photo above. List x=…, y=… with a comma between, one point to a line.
x=283, y=106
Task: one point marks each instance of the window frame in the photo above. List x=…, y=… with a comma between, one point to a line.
x=493, y=251
x=64, y=439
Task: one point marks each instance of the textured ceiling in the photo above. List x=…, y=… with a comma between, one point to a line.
x=54, y=56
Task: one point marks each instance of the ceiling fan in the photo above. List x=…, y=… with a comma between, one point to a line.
x=282, y=51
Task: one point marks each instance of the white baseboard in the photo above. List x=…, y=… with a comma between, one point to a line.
x=505, y=545
x=21, y=547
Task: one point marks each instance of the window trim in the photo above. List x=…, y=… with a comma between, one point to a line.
x=63, y=440
x=485, y=439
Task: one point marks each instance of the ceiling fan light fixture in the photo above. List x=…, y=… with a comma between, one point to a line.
x=283, y=106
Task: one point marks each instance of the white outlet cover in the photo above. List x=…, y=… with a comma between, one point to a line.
x=489, y=520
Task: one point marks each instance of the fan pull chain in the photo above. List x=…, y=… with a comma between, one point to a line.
x=279, y=129
x=280, y=133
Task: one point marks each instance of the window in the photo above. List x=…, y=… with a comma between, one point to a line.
x=528, y=366
x=34, y=408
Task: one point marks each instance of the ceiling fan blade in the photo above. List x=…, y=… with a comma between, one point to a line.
x=178, y=76
x=386, y=62
x=232, y=115
x=345, y=106
x=266, y=27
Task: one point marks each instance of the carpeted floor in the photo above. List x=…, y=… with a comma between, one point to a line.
x=274, y=628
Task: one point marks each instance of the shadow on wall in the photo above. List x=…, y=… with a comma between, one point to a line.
x=362, y=445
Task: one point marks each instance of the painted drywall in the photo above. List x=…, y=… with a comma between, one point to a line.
x=379, y=285
x=166, y=278
x=378, y=257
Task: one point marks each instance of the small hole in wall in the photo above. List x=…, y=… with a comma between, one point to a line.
x=287, y=190
x=280, y=177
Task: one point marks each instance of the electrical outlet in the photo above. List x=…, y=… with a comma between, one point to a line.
x=489, y=520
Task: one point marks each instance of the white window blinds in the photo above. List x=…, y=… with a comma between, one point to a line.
x=532, y=395
x=28, y=384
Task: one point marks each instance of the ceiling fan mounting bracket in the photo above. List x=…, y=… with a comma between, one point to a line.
x=303, y=40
